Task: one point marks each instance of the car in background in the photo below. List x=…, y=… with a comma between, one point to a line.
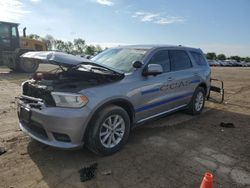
x=213, y=63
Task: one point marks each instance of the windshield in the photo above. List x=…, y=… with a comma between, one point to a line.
x=119, y=58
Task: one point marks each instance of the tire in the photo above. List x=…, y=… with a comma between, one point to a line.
x=27, y=66
x=13, y=69
x=98, y=140
x=197, y=102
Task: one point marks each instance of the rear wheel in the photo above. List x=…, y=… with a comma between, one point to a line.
x=109, y=131
x=197, y=103
x=23, y=65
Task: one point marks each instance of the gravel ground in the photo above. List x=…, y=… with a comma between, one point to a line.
x=174, y=151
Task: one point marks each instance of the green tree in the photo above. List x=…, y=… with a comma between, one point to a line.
x=247, y=59
x=237, y=58
x=211, y=56
x=221, y=57
x=90, y=50
x=69, y=47
x=59, y=45
x=79, y=46
x=49, y=40
x=98, y=49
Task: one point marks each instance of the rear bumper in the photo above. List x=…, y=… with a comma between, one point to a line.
x=46, y=123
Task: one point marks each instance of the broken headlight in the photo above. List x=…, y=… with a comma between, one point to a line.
x=69, y=100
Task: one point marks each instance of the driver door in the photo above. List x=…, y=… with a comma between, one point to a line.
x=155, y=94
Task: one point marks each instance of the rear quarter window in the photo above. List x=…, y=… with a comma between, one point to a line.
x=199, y=59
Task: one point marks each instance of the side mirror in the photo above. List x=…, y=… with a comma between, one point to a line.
x=153, y=69
x=137, y=64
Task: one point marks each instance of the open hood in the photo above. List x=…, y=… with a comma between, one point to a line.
x=56, y=58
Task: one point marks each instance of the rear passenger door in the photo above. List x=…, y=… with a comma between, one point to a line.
x=182, y=76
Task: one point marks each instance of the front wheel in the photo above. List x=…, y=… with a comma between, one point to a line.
x=197, y=103
x=27, y=66
x=109, y=131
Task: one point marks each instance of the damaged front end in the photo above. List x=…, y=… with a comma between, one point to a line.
x=52, y=102
x=72, y=75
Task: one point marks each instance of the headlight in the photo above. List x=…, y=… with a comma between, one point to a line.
x=69, y=100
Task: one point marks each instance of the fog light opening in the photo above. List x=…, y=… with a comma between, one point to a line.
x=61, y=137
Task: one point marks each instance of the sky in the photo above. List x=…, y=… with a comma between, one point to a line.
x=221, y=26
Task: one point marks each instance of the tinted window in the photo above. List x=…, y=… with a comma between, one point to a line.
x=161, y=57
x=179, y=60
x=198, y=58
x=4, y=31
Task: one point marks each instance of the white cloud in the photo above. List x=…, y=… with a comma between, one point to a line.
x=35, y=1
x=105, y=2
x=156, y=18
x=12, y=10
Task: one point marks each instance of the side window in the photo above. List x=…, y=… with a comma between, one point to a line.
x=199, y=59
x=4, y=31
x=179, y=60
x=14, y=32
x=161, y=57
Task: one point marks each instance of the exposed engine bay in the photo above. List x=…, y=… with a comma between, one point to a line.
x=72, y=80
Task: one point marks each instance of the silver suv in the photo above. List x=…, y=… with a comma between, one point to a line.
x=97, y=102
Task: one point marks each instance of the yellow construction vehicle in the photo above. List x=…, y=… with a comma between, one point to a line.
x=12, y=47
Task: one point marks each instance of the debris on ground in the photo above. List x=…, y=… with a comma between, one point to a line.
x=227, y=125
x=23, y=153
x=2, y=150
x=88, y=173
x=106, y=172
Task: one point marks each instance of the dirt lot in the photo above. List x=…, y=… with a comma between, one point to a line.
x=174, y=151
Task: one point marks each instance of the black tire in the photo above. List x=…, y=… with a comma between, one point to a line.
x=192, y=108
x=13, y=69
x=27, y=66
x=94, y=142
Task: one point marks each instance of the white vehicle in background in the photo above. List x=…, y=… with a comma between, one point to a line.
x=213, y=63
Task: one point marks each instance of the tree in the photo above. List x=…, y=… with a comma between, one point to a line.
x=69, y=47
x=98, y=49
x=49, y=40
x=211, y=56
x=79, y=46
x=59, y=45
x=247, y=59
x=90, y=50
x=236, y=58
x=221, y=57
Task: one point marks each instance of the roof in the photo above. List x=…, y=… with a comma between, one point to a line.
x=10, y=23
x=154, y=46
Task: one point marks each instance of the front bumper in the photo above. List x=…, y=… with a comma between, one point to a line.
x=47, y=122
